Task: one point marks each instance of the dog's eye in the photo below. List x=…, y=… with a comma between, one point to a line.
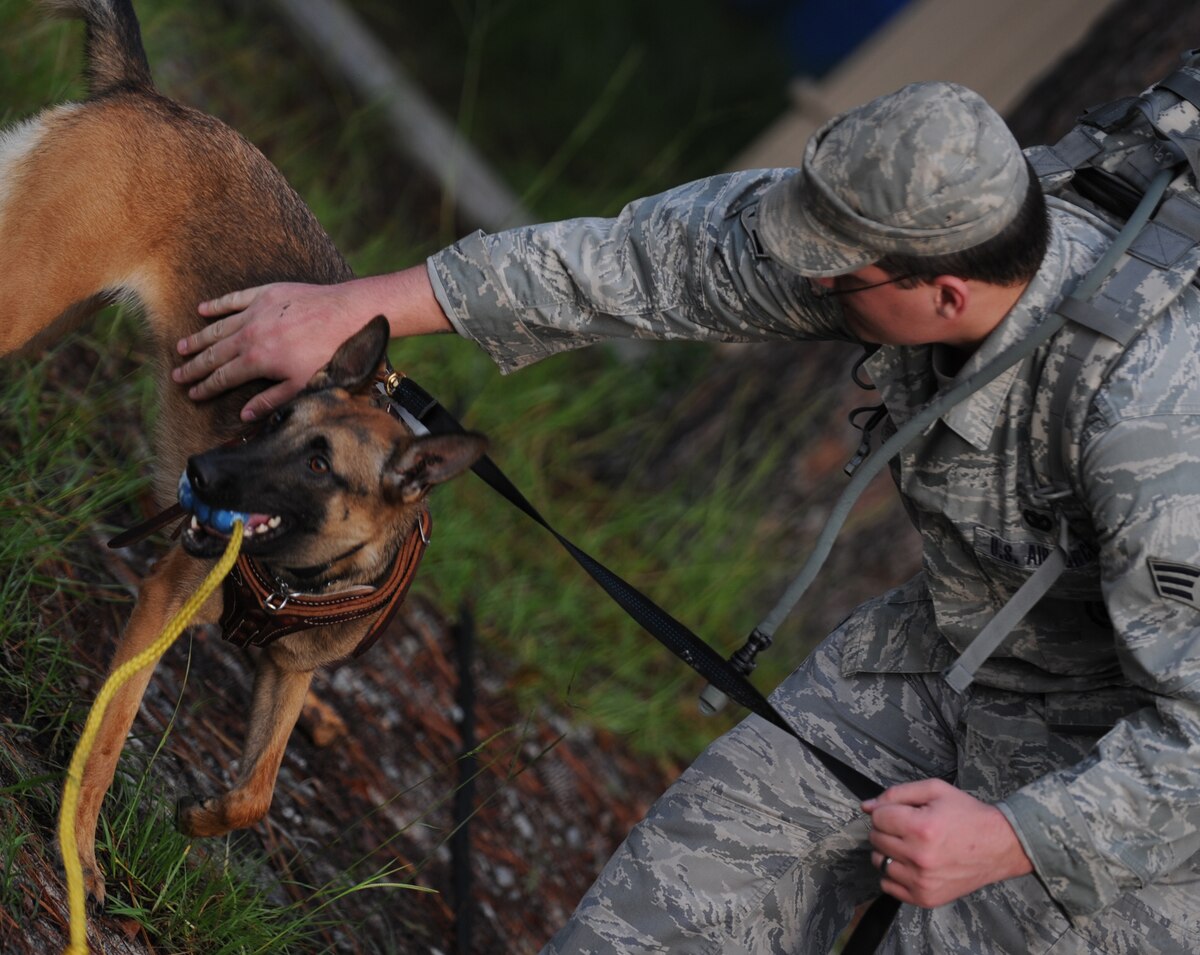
x=318, y=464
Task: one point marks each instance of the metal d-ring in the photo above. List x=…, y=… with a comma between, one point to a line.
x=275, y=602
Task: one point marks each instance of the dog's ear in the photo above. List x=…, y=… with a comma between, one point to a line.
x=422, y=462
x=354, y=364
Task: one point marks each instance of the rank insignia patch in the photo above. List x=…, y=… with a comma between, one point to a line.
x=1176, y=581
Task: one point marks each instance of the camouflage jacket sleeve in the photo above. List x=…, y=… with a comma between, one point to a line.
x=679, y=265
x=1130, y=814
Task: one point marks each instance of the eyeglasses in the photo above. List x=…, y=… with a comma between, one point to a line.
x=821, y=291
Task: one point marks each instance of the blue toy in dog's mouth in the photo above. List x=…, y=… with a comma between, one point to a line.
x=213, y=518
x=218, y=520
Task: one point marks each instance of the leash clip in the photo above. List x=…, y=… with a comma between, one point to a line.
x=391, y=383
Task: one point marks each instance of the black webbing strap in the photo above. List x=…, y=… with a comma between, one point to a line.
x=1183, y=84
x=160, y=520
x=657, y=622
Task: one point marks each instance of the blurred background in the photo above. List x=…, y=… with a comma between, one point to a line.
x=699, y=473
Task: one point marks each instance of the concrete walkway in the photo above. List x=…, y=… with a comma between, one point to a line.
x=997, y=47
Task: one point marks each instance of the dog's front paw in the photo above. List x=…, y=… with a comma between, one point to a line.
x=201, y=819
x=189, y=813
x=93, y=884
x=93, y=875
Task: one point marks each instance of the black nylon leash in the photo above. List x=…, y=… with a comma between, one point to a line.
x=653, y=619
x=672, y=634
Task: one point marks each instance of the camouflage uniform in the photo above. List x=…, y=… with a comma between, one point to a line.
x=1084, y=728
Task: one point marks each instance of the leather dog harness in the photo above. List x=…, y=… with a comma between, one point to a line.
x=259, y=609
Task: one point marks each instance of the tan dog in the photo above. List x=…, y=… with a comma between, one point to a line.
x=130, y=195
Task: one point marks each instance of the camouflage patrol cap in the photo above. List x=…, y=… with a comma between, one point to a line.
x=927, y=170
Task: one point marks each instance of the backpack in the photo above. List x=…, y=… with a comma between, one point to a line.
x=1104, y=165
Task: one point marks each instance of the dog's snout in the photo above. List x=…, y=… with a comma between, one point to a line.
x=222, y=476
x=200, y=473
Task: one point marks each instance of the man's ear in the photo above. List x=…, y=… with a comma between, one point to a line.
x=953, y=295
x=354, y=364
x=419, y=463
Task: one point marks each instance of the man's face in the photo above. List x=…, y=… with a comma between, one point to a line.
x=881, y=311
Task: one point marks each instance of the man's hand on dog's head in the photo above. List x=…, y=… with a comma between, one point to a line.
x=282, y=333
x=287, y=331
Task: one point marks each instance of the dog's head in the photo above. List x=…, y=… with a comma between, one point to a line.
x=331, y=483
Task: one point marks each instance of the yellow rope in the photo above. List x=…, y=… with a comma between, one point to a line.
x=70, y=800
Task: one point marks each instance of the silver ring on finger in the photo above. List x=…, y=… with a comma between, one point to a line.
x=883, y=866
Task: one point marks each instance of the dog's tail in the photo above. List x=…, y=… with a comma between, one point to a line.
x=116, y=58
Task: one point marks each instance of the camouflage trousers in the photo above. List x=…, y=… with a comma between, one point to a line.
x=758, y=849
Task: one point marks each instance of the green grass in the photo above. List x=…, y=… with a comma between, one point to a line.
x=575, y=433
x=193, y=900
x=57, y=478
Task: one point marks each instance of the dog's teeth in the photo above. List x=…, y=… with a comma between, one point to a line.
x=274, y=522
x=195, y=523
